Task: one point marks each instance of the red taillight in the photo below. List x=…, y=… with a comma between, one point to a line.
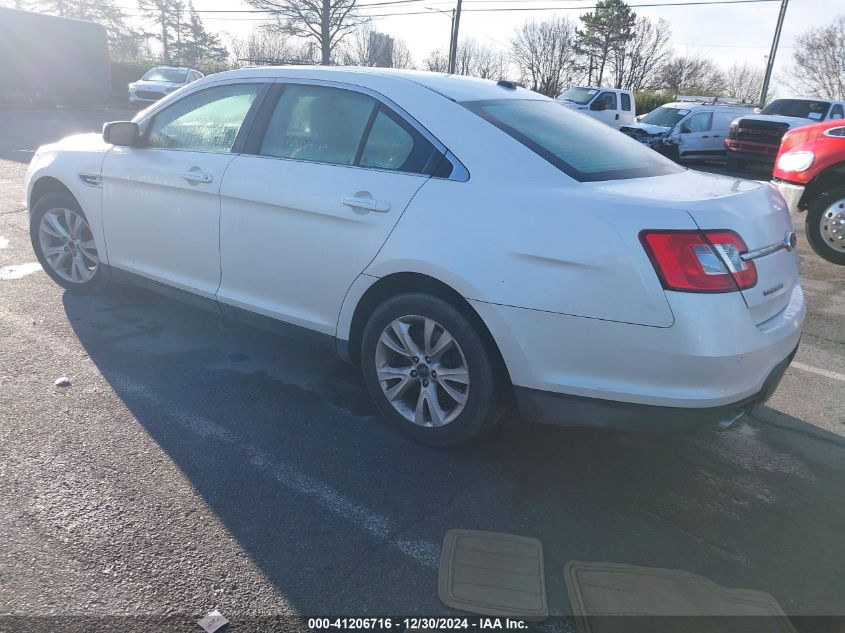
x=699, y=261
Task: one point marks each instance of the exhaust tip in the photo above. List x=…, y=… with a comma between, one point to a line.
x=730, y=420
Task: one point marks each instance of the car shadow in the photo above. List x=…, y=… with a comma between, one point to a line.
x=345, y=515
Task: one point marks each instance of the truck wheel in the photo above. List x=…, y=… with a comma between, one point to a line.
x=826, y=225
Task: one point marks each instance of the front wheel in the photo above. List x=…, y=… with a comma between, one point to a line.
x=64, y=244
x=825, y=225
x=429, y=370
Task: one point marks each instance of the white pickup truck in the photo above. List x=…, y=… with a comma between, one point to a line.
x=609, y=105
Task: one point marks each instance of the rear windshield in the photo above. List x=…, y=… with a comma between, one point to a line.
x=578, y=145
x=166, y=74
x=581, y=96
x=801, y=108
x=664, y=117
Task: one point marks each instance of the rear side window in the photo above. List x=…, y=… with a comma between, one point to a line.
x=206, y=121
x=344, y=127
x=626, y=102
x=837, y=112
x=579, y=146
x=320, y=124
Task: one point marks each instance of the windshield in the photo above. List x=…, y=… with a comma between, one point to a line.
x=581, y=96
x=166, y=74
x=579, y=146
x=664, y=117
x=801, y=108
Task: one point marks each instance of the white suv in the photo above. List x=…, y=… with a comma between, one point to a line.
x=466, y=242
x=688, y=130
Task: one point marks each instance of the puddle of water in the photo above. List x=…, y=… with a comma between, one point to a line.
x=16, y=271
x=3, y=242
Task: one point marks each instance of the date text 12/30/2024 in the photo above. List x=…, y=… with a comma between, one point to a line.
x=417, y=623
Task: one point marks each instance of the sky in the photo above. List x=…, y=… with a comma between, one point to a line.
x=728, y=33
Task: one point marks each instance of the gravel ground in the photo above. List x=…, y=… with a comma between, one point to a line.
x=195, y=463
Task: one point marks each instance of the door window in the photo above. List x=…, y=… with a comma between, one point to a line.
x=205, y=121
x=343, y=127
x=699, y=122
x=319, y=124
x=609, y=99
x=837, y=112
x=626, y=102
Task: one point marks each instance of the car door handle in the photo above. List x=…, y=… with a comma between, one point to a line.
x=196, y=176
x=370, y=204
x=617, y=116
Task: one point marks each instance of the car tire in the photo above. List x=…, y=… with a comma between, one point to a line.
x=826, y=208
x=403, y=388
x=69, y=231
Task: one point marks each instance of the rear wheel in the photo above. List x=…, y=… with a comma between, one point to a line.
x=825, y=225
x=64, y=244
x=429, y=370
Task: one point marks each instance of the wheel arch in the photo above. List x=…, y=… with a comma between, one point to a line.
x=829, y=178
x=45, y=185
x=407, y=282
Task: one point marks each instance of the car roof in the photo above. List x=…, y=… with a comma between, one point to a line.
x=455, y=87
x=692, y=105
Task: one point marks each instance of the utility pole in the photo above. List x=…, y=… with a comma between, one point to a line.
x=451, y=41
x=772, y=53
x=453, y=48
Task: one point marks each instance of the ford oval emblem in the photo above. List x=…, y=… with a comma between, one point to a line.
x=790, y=240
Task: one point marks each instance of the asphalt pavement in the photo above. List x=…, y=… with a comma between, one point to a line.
x=196, y=463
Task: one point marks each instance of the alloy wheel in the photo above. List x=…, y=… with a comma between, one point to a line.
x=422, y=371
x=68, y=245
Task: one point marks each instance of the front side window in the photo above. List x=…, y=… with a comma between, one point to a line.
x=205, y=121
x=579, y=146
x=699, y=122
x=343, y=127
x=609, y=99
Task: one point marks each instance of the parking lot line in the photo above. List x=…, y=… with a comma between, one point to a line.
x=380, y=527
x=821, y=372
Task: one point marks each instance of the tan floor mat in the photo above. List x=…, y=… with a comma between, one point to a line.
x=493, y=574
x=608, y=589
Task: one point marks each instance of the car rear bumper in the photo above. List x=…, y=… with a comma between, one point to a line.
x=566, y=410
x=792, y=193
x=713, y=360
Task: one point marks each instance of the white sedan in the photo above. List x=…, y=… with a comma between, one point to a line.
x=469, y=244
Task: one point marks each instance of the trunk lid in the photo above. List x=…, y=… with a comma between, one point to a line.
x=752, y=209
x=761, y=219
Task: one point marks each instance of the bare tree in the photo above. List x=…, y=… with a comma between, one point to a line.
x=744, y=81
x=819, y=61
x=326, y=22
x=365, y=47
x=636, y=61
x=691, y=74
x=472, y=58
x=544, y=52
x=263, y=46
x=437, y=61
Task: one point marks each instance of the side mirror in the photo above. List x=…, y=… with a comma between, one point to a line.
x=121, y=133
x=598, y=105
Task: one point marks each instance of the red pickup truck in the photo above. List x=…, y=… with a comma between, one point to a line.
x=810, y=174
